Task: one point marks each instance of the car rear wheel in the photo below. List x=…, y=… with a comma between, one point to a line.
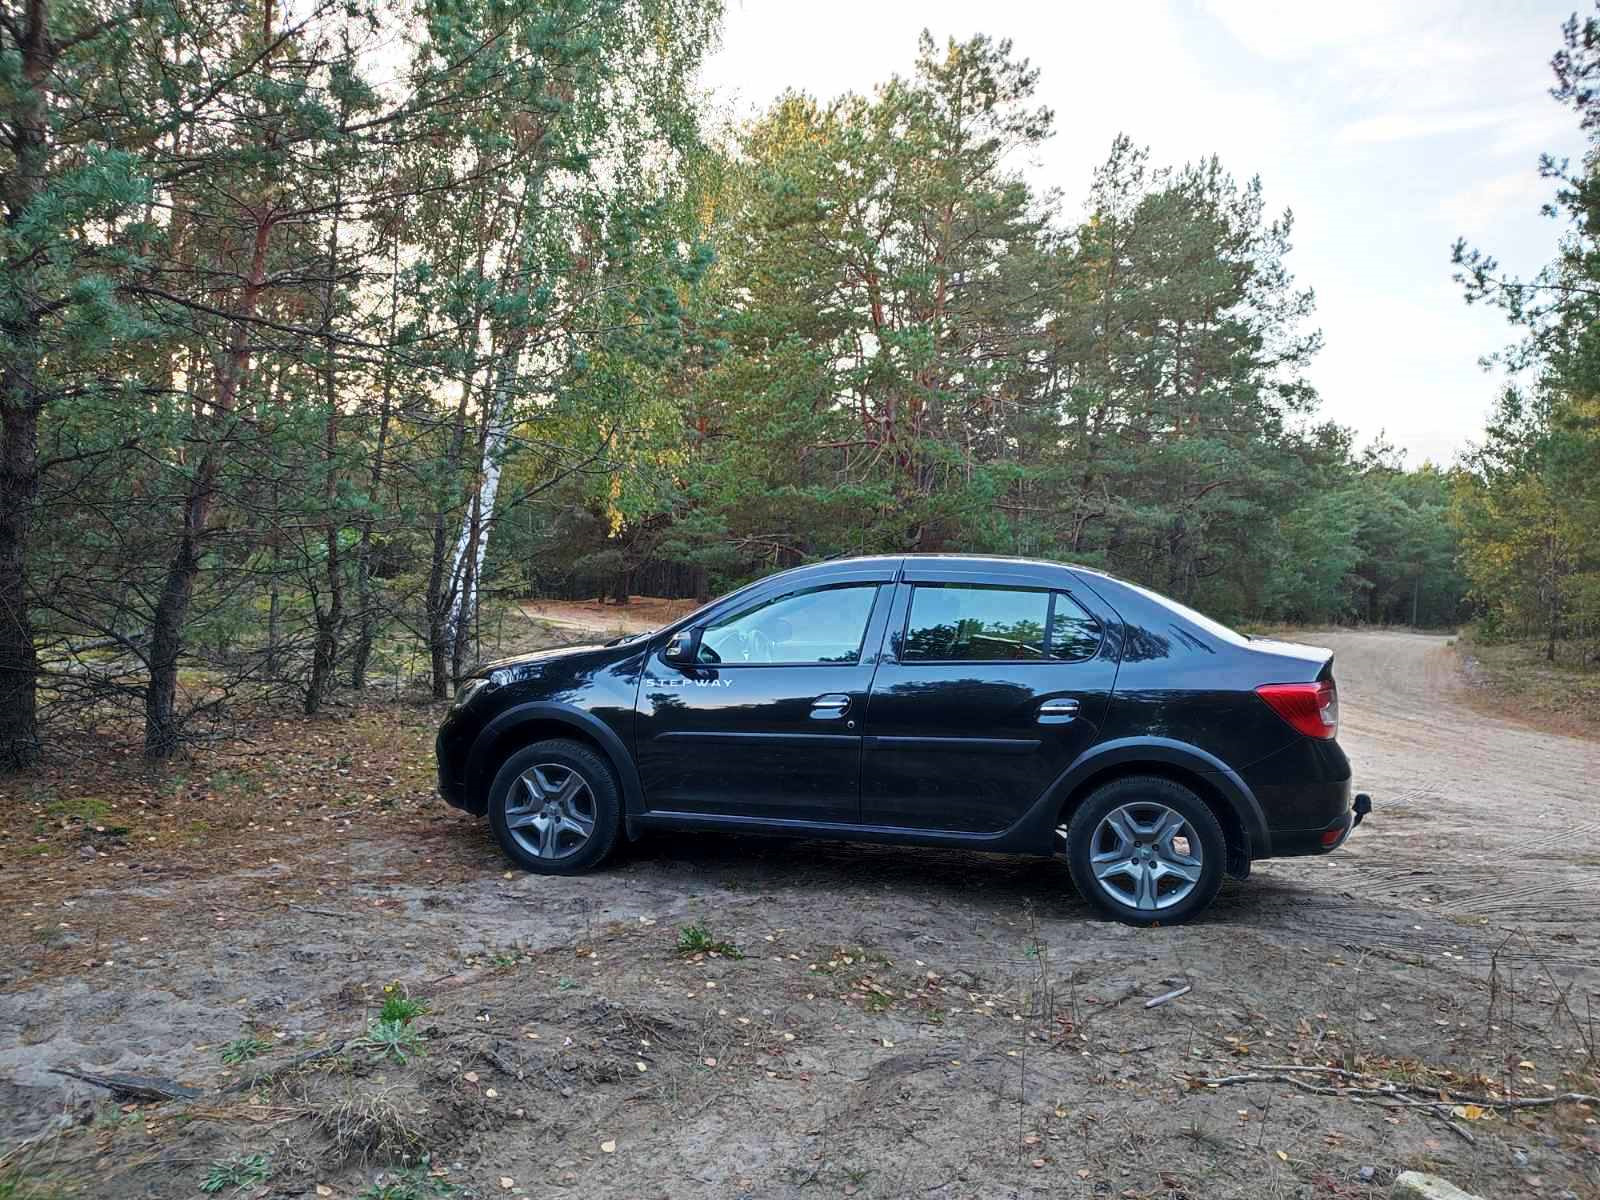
x=555, y=808
x=1146, y=850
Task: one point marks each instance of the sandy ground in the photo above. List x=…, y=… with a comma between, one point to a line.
x=901, y=1022
x=641, y=613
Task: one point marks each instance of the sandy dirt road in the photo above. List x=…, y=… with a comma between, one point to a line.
x=1478, y=815
x=901, y=1023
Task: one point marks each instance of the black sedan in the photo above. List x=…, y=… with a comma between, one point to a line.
x=985, y=703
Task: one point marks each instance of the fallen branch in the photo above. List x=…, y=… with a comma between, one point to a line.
x=1158, y=1001
x=142, y=1089
x=320, y=912
x=1395, y=1093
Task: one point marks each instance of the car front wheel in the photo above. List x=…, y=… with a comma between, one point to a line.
x=555, y=808
x=1146, y=850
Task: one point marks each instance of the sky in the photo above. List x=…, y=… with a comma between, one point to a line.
x=1389, y=129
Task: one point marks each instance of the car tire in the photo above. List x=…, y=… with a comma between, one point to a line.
x=1134, y=863
x=538, y=823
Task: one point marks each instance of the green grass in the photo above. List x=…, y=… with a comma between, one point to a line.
x=15, y=1185
x=243, y=1049
x=400, y=1009
x=408, y=1183
x=88, y=809
x=697, y=939
x=236, y=1173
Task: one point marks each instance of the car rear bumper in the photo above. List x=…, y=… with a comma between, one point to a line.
x=1290, y=843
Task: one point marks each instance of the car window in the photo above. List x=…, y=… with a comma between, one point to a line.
x=825, y=625
x=1073, y=632
x=1215, y=628
x=952, y=623
x=961, y=624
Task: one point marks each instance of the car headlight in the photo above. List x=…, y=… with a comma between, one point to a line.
x=497, y=678
x=468, y=690
x=505, y=675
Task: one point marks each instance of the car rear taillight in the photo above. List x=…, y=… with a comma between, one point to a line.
x=1311, y=708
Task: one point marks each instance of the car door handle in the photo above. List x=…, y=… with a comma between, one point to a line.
x=1058, y=712
x=830, y=706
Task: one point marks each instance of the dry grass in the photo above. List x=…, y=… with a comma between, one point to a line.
x=1517, y=681
x=365, y=1125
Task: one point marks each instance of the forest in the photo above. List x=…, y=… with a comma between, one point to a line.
x=325, y=328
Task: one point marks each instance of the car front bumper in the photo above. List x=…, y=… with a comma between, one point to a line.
x=452, y=759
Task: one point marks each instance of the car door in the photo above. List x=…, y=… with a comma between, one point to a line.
x=767, y=723
x=991, y=684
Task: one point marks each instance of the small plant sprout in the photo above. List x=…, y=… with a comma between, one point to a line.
x=399, y=1007
x=236, y=1173
x=243, y=1049
x=409, y=1183
x=697, y=939
x=393, y=1040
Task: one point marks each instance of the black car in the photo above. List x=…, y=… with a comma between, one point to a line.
x=985, y=703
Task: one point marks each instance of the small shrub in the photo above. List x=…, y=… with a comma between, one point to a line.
x=243, y=1049
x=393, y=1040
x=237, y=1173
x=372, y=1125
x=697, y=939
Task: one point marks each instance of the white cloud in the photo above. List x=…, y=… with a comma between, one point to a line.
x=1294, y=32
x=1476, y=211
x=1404, y=127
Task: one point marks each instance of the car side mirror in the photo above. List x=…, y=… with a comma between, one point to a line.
x=683, y=648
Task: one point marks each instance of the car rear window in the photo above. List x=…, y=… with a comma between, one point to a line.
x=966, y=623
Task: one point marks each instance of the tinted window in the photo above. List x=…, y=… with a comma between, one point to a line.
x=822, y=626
x=963, y=624
x=1216, y=628
x=1073, y=632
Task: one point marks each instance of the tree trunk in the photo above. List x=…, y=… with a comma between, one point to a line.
x=438, y=614
x=366, y=595
x=21, y=396
x=473, y=543
x=19, y=485
x=325, y=654
x=162, y=723
x=163, y=727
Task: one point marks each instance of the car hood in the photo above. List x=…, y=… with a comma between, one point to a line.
x=536, y=657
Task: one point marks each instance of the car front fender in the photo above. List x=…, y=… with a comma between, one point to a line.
x=483, y=760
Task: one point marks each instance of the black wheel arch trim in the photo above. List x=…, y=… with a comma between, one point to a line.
x=479, y=774
x=1143, y=751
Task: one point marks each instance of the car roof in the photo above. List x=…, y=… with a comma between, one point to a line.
x=954, y=561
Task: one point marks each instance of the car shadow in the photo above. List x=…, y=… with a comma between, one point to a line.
x=829, y=868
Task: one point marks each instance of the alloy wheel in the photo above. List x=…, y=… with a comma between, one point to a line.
x=1146, y=856
x=551, y=811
